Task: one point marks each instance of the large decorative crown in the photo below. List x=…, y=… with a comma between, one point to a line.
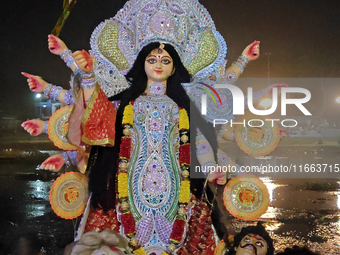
x=185, y=24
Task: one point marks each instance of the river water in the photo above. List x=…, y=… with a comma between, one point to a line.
x=25, y=208
x=303, y=211
x=304, y=204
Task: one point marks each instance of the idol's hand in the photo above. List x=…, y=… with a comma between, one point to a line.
x=33, y=127
x=83, y=60
x=269, y=89
x=218, y=177
x=212, y=77
x=35, y=83
x=221, y=181
x=56, y=45
x=283, y=133
x=53, y=163
x=252, y=51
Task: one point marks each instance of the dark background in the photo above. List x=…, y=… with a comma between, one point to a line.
x=302, y=37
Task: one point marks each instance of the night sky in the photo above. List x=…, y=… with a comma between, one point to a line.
x=303, y=37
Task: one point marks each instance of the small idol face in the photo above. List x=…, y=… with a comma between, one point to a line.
x=158, y=66
x=252, y=244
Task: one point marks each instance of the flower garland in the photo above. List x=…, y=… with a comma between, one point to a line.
x=127, y=219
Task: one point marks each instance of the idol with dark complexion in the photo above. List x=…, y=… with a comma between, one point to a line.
x=252, y=240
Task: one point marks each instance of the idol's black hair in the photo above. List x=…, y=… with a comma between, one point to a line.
x=257, y=230
x=296, y=250
x=103, y=161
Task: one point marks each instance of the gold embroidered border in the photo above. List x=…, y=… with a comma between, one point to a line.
x=90, y=105
x=87, y=114
x=98, y=142
x=74, y=107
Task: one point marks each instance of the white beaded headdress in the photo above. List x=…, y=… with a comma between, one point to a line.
x=185, y=24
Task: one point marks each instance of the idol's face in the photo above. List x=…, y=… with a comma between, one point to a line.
x=252, y=244
x=158, y=66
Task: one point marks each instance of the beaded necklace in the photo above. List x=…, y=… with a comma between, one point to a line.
x=127, y=219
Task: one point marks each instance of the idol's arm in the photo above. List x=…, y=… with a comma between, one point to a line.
x=205, y=156
x=57, y=93
x=58, y=47
x=251, y=52
x=93, y=112
x=54, y=92
x=56, y=162
x=35, y=127
x=88, y=79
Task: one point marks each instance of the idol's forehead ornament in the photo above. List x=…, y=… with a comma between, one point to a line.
x=185, y=24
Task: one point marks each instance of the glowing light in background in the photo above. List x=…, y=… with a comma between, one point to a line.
x=273, y=226
x=338, y=202
x=272, y=212
x=337, y=100
x=266, y=103
x=271, y=186
x=38, y=190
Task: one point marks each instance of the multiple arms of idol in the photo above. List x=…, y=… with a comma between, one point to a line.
x=81, y=63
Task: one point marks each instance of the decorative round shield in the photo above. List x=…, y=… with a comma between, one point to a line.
x=68, y=195
x=220, y=248
x=58, y=126
x=258, y=136
x=246, y=197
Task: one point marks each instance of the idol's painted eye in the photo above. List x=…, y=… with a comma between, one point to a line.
x=259, y=244
x=166, y=61
x=151, y=60
x=247, y=239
